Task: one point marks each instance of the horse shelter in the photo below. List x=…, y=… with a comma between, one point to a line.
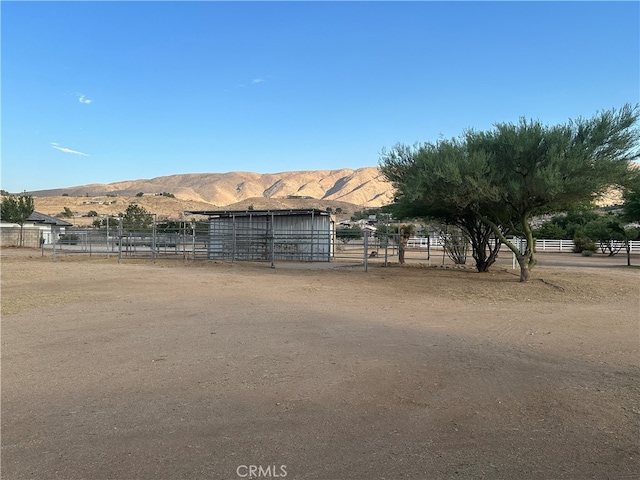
x=302, y=235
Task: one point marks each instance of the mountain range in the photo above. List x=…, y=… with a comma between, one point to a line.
x=364, y=187
x=345, y=190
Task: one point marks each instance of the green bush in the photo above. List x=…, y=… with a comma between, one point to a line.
x=581, y=244
x=67, y=213
x=347, y=234
x=550, y=230
x=69, y=239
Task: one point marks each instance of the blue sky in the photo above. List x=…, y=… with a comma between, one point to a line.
x=98, y=92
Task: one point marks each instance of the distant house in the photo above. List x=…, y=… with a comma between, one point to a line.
x=367, y=222
x=38, y=228
x=346, y=224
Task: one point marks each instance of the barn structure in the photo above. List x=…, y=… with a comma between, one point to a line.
x=303, y=235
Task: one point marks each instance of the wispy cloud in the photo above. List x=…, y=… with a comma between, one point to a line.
x=248, y=84
x=67, y=150
x=83, y=99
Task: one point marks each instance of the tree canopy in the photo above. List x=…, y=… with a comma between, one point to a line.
x=441, y=181
x=499, y=179
x=137, y=218
x=17, y=209
x=631, y=196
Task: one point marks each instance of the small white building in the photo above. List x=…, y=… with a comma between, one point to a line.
x=39, y=228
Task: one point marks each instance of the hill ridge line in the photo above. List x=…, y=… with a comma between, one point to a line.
x=361, y=186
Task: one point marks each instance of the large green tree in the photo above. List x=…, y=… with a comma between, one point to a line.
x=539, y=169
x=506, y=176
x=17, y=209
x=136, y=218
x=442, y=181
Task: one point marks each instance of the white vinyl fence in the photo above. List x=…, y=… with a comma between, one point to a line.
x=554, y=245
x=542, y=245
x=567, y=246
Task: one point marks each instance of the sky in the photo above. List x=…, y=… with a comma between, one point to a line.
x=100, y=92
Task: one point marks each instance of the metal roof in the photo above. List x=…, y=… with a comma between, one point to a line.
x=37, y=217
x=258, y=213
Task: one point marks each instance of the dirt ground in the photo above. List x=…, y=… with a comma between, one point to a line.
x=229, y=371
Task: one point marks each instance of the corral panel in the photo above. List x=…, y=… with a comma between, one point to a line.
x=267, y=236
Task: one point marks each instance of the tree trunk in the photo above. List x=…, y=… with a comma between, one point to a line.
x=480, y=234
x=530, y=245
x=484, y=260
x=627, y=246
x=482, y=265
x=527, y=259
x=525, y=270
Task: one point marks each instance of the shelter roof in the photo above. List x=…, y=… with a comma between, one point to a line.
x=258, y=213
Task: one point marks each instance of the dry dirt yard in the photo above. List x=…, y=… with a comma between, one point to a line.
x=216, y=371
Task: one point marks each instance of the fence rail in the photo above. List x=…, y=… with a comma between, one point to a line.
x=542, y=245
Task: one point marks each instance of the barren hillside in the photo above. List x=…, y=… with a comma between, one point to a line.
x=346, y=189
x=364, y=187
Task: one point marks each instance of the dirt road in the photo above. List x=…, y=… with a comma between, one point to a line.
x=220, y=371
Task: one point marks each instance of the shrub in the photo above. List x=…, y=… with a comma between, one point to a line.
x=581, y=244
x=67, y=213
x=69, y=239
x=347, y=234
x=550, y=230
